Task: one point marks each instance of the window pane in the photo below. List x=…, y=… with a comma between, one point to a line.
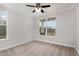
x=0, y=21
x=2, y=31
x=51, y=26
x=4, y=22
x=43, y=27
x=3, y=18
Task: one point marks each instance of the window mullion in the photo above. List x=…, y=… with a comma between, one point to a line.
x=46, y=26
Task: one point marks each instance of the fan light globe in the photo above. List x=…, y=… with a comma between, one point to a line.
x=38, y=9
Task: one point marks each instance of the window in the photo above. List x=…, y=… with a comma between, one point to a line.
x=51, y=26
x=48, y=26
x=43, y=27
x=3, y=18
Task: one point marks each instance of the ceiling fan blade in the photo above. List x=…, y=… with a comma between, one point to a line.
x=33, y=11
x=30, y=5
x=42, y=11
x=45, y=6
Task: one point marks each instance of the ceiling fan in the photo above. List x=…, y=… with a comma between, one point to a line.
x=38, y=7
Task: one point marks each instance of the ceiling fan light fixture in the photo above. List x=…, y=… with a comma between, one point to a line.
x=37, y=9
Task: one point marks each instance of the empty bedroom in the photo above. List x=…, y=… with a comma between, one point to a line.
x=39, y=29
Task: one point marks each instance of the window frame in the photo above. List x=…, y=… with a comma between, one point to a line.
x=5, y=25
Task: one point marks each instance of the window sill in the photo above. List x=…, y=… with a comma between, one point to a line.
x=3, y=39
x=49, y=36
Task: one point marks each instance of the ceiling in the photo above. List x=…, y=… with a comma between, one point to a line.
x=55, y=7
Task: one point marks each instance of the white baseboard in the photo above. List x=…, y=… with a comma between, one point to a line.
x=14, y=45
x=62, y=44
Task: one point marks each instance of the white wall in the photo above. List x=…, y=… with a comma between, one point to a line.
x=20, y=29
x=65, y=31
x=77, y=29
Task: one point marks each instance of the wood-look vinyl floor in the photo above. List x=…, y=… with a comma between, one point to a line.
x=37, y=48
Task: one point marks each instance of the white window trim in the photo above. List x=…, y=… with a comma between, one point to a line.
x=46, y=29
